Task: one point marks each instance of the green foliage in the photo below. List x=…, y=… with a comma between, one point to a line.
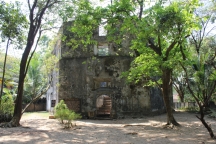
x=160, y=23
x=12, y=67
x=61, y=105
x=7, y=104
x=48, y=58
x=199, y=68
x=161, y=34
x=35, y=79
x=11, y=75
x=189, y=98
x=41, y=66
x=12, y=23
x=213, y=113
x=60, y=111
x=190, y=109
x=63, y=113
x=87, y=21
x=70, y=116
x=155, y=36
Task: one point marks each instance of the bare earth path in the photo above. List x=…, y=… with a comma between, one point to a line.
x=146, y=130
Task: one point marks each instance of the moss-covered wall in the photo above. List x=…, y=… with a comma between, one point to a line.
x=84, y=75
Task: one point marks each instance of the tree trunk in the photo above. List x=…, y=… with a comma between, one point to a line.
x=22, y=73
x=36, y=98
x=18, y=102
x=201, y=118
x=181, y=96
x=35, y=24
x=167, y=95
x=3, y=74
x=180, y=90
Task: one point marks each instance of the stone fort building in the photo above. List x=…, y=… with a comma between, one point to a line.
x=89, y=81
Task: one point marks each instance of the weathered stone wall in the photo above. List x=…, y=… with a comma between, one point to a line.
x=69, y=51
x=156, y=100
x=84, y=75
x=72, y=78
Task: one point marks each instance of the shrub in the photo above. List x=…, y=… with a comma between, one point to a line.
x=6, y=108
x=70, y=116
x=7, y=104
x=63, y=113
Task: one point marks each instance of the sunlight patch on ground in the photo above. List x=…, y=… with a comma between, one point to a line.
x=35, y=115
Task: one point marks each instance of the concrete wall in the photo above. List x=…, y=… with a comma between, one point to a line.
x=52, y=93
x=36, y=107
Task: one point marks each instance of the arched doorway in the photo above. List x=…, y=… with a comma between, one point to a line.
x=104, y=105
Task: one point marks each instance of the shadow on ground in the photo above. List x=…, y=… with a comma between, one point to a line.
x=146, y=130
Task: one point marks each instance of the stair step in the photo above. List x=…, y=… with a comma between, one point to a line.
x=107, y=105
x=103, y=113
x=105, y=108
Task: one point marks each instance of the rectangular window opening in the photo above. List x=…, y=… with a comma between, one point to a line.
x=103, y=49
x=103, y=84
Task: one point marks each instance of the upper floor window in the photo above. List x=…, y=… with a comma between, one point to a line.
x=102, y=30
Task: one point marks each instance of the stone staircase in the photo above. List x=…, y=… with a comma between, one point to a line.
x=105, y=109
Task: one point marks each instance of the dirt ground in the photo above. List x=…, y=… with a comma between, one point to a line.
x=145, y=130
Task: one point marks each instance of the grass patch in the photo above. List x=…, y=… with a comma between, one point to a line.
x=38, y=115
x=190, y=109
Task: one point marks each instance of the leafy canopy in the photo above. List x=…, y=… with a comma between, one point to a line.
x=12, y=22
x=160, y=38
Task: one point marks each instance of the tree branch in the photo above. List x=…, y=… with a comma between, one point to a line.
x=182, y=52
x=35, y=99
x=31, y=9
x=141, y=8
x=153, y=47
x=40, y=17
x=170, y=48
x=32, y=53
x=211, y=92
x=189, y=87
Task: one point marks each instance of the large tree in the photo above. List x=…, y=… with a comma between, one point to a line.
x=159, y=41
x=201, y=77
x=200, y=73
x=37, y=18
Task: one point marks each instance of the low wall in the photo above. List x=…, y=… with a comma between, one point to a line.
x=179, y=105
x=36, y=107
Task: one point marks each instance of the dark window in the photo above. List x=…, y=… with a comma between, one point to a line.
x=53, y=102
x=103, y=84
